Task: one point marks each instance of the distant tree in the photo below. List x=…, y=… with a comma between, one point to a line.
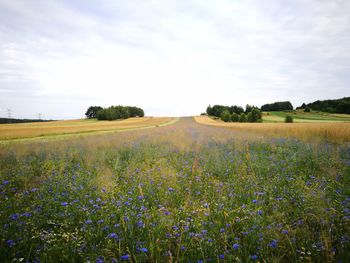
x=307, y=109
x=248, y=108
x=242, y=117
x=236, y=109
x=119, y=112
x=209, y=110
x=234, y=117
x=92, y=112
x=333, y=106
x=135, y=111
x=303, y=106
x=254, y=116
x=277, y=106
x=289, y=119
x=225, y=116
x=250, y=117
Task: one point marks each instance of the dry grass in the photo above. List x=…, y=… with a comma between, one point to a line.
x=31, y=130
x=333, y=132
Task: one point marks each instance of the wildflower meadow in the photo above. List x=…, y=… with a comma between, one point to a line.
x=186, y=192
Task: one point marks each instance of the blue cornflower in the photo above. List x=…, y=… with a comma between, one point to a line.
x=255, y=201
x=254, y=257
x=284, y=231
x=113, y=235
x=125, y=257
x=273, y=243
x=260, y=212
x=144, y=250
x=235, y=246
x=99, y=260
x=140, y=224
x=64, y=204
x=27, y=214
x=170, y=189
x=10, y=243
x=14, y=216
x=88, y=222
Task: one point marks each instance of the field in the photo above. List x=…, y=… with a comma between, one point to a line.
x=185, y=192
x=336, y=132
x=301, y=116
x=82, y=126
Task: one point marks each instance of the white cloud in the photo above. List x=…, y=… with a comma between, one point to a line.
x=170, y=57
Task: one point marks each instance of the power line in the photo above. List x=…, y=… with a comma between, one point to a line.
x=9, y=113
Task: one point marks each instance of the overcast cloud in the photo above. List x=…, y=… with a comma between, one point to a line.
x=170, y=57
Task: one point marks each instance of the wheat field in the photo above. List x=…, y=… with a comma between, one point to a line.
x=31, y=130
x=334, y=132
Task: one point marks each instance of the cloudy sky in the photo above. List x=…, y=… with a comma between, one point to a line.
x=57, y=57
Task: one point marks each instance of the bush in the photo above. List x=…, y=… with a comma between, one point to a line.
x=307, y=109
x=242, y=117
x=226, y=116
x=289, y=119
x=234, y=117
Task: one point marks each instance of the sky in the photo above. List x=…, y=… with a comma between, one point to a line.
x=171, y=58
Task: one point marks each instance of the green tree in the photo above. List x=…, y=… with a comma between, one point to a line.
x=234, y=117
x=92, y=112
x=307, y=109
x=255, y=115
x=242, y=117
x=248, y=108
x=225, y=116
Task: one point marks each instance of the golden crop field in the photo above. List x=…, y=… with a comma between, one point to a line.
x=38, y=129
x=332, y=131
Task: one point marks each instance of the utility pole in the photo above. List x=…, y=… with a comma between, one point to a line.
x=9, y=113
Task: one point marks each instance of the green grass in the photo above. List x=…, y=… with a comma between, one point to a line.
x=180, y=193
x=300, y=116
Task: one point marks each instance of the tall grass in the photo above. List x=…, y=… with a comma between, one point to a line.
x=181, y=193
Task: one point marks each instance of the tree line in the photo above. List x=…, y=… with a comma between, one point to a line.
x=113, y=112
x=235, y=113
x=278, y=106
x=331, y=106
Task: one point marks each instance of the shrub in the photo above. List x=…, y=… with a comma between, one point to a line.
x=307, y=109
x=289, y=119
